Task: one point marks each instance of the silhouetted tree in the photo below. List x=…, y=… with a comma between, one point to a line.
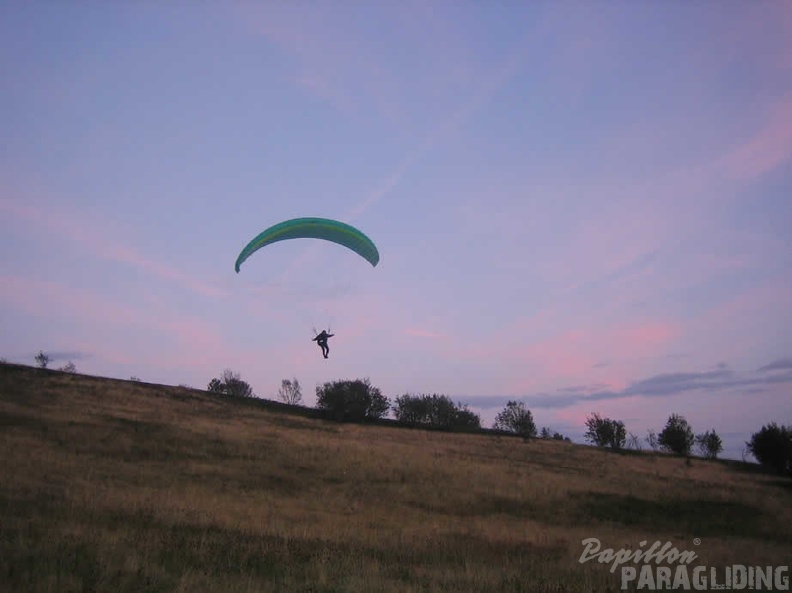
x=437, y=411
x=230, y=383
x=651, y=440
x=42, y=359
x=517, y=418
x=772, y=447
x=290, y=391
x=352, y=401
x=709, y=444
x=466, y=419
x=605, y=432
x=634, y=442
x=413, y=409
x=677, y=436
x=69, y=367
x=553, y=435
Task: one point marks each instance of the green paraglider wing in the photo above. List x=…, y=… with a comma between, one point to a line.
x=314, y=228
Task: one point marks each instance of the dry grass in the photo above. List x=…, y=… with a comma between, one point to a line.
x=116, y=486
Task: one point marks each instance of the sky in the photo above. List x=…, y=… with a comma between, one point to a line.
x=583, y=206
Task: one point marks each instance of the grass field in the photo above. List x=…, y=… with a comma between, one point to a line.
x=115, y=486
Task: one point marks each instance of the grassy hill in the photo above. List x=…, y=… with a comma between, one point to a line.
x=116, y=486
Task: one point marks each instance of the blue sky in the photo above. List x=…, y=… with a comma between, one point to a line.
x=582, y=206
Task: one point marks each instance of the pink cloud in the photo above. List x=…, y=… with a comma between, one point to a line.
x=422, y=333
x=767, y=149
x=197, y=341
x=90, y=234
x=572, y=355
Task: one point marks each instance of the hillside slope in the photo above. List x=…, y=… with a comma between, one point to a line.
x=109, y=485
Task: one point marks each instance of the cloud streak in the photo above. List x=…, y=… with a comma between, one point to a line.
x=92, y=237
x=721, y=380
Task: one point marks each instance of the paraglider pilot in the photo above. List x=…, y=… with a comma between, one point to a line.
x=321, y=339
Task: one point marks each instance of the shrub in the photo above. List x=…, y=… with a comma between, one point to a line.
x=772, y=447
x=436, y=411
x=351, y=401
x=69, y=367
x=42, y=359
x=517, y=418
x=677, y=436
x=605, y=432
x=230, y=383
x=709, y=444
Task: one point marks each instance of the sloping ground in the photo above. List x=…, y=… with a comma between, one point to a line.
x=115, y=486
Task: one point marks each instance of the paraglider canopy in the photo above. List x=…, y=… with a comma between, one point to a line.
x=313, y=228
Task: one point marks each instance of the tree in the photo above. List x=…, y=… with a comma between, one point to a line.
x=772, y=447
x=552, y=435
x=290, y=392
x=42, y=359
x=709, y=444
x=651, y=440
x=634, y=442
x=352, y=401
x=69, y=367
x=677, y=436
x=230, y=383
x=437, y=411
x=465, y=419
x=517, y=418
x=605, y=432
x=413, y=409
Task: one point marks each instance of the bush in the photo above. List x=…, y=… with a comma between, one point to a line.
x=709, y=444
x=42, y=360
x=516, y=418
x=772, y=447
x=436, y=411
x=230, y=383
x=605, y=432
x=548, y=434
x=351, y=401
x=69, y=367
x=677, y=436
x=413, y=409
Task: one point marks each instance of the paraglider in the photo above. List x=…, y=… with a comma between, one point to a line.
x=321, y=339
x=313, y=228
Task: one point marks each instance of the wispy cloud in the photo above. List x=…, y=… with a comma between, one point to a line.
x=719, y=381
x=90, y=234
x=768, y=148
x=195, y=338
x=782, y=364
x=422, y=333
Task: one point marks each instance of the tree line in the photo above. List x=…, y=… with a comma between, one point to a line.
x=359, y=401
